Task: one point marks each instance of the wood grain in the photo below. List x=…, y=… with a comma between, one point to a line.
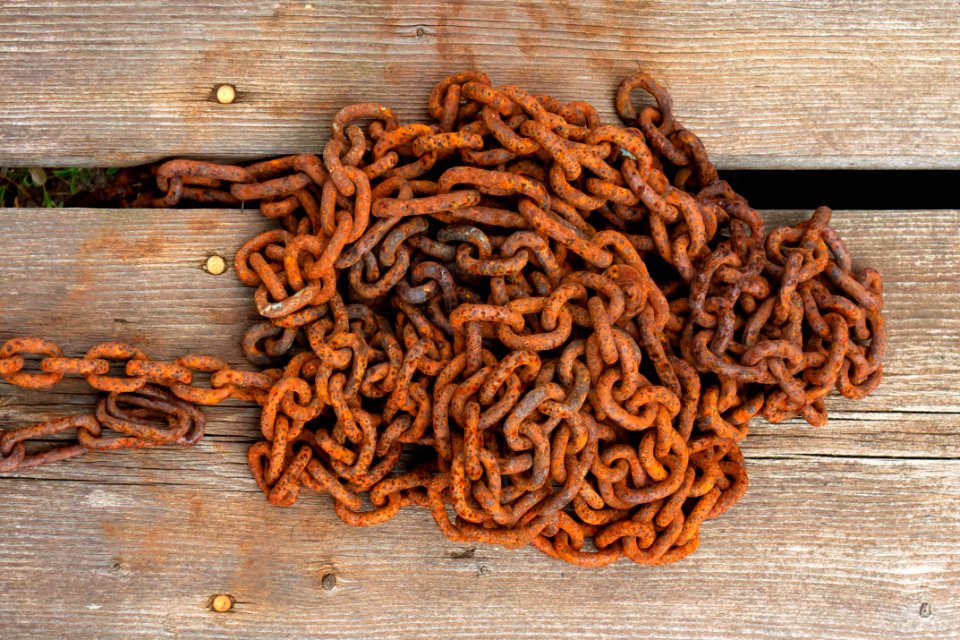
x=851, y=531
x=808, y=84
x=820, y=549
x=137, y=276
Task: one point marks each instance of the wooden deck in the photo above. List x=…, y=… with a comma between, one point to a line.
x=848, y=532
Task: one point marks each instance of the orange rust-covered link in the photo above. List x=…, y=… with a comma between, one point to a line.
x=482, y=92
x=13, y=351
x=446, y=141
x=75, y=366
x=276, y=188
x=158, y=372
x=13, y=363
x=116, y=351
x=364, y=110
x=435, y=104
x=197, y=395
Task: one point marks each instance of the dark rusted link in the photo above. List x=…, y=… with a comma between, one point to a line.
x=488, y=157
x=201, y=170
x=394, y=207
x=869, y=300
x=626, y=110
x=12, y=452
x=11, y=460
x=48, y=456
x=245, y=273
x=648, y=121
x=276, y=188
x=209, y=196
x=252, y=338
x=183, y=423
x=364, y=110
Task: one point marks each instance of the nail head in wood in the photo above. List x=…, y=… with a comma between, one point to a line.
x=215, y=265
x=222, y=603
x=226, y=93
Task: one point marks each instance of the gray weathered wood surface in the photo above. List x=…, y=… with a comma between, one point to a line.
x=851, y=531
x=808, y=84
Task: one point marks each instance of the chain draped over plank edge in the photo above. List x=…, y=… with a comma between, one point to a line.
x=562, y=327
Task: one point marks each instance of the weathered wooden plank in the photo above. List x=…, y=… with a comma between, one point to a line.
x=82, y=276
x=768, y=85
x=825, y=549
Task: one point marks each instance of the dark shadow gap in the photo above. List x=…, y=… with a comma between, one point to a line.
x=764, y=189
x=843, y=189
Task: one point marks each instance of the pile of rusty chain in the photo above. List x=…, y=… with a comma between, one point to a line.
x=566, y=325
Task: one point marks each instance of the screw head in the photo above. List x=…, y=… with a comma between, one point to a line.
x=226, y=93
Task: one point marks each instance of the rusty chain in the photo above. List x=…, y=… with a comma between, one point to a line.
x=150, y=403
x=568, y=325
